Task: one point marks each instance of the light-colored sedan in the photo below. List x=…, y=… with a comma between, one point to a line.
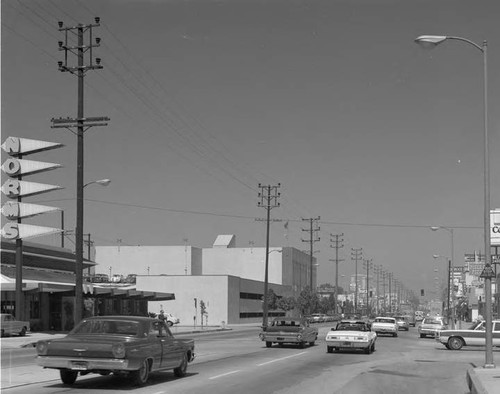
x=351, y=335
x=475, y=335
x=402, y=322
x=431, y=325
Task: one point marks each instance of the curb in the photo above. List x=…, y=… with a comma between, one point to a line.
x=474, y=383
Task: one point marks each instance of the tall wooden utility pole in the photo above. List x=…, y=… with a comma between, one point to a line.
x=337, y=244
x=312, y=230
x=356, y=255
x=268, y=199
x=85, y=62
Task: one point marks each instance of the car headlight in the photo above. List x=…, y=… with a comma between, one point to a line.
x=118, y=350
x=42, y=347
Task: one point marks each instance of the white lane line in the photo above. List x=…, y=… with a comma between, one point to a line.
x=279, y=359
x=224, y=374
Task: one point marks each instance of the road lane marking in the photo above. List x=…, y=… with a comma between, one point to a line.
x=282, y=358
x=224, y=374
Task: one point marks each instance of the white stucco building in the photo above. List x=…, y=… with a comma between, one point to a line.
x=229, y=280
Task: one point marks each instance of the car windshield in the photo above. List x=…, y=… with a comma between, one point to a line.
x=428, y=320
x=286, y=323
x=351, y=327
x=384, y=320
x=112, y=327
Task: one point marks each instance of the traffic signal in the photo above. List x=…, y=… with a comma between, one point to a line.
x=422, y=292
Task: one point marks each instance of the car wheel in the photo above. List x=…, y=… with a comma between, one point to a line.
x=422, y=336
x=329, y=349
x=68, y=376
x=269, y=344
x=455, y=343
x=170, y=324
x=301, y=345
x=312, y=343
x=181, y=370
x=368, y=350
x=141, y=376
x=22, y=333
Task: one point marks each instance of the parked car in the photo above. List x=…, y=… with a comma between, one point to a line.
x=402, y=322
x=168, y=318
x=134, y=346
x=10, y=325
x=385, y=325
x=431, y=325
x=317, y=318
x=289, y=330
x=475, y=335
x=351, y=335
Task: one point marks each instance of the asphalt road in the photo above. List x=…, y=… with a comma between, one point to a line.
x=238, y=362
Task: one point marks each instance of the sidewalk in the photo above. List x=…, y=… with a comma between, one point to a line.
x=484, y=380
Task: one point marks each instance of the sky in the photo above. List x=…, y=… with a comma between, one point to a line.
x=331, y=99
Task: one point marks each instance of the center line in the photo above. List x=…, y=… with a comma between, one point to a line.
x=279, y=359
x=224, y=374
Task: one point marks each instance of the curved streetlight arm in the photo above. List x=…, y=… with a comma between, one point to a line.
x=436, y=40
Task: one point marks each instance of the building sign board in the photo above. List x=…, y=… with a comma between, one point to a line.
x=15, y=146
x=13, y=188
x=495, y=226
x=14, y=230
x=15, y=167
x=18, y=210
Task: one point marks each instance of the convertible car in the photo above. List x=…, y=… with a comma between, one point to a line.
x=133, y=346
x=475, y=335
x=351, y=335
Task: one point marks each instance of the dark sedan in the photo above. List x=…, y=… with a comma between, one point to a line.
x=133, y=346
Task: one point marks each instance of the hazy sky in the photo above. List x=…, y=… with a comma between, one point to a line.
x=379, y=137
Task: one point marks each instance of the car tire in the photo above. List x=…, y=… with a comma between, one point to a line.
x=181, y=370
x=373, y=347
x=455, y=343
x=140, y=376
x=422, y=336
x=22, y=333
x=329, y=349
x=68, y=376
x=269, y=344
x=312, y=343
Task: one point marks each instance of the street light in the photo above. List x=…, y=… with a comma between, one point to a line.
x=488, y=272
x=102, y=182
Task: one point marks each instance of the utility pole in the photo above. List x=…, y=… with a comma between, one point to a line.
x=383, y=285
x=390, y=291
x=356, y=255
x=85, y=62
x=268, y=199
x=337, y=244
x=377, y=270
x=312, y=230
x=367, y=263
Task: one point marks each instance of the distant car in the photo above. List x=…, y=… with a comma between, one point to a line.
x=385, y=325
x=289, y=330
x=132, y=346
x=431, y=325
x=10, y=325
x=402, y=322
x=411, y=320
x=317, y=318
x=351, y=335
x=474, y=335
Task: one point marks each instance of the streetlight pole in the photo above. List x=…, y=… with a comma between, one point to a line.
x=488, y=271
x=448, y=311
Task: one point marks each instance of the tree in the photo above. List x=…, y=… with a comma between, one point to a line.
x=308, y=301
x=286, y=303
x=272, y=300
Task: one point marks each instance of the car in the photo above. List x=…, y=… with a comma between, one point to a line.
x=385, y=325
x=351, y=335
x=132, y=346
x=289, y=330
x=10, y=325
x=431, y=325
x=474, y=335
x=402, y=322
x=168, y=318
x=317, y=318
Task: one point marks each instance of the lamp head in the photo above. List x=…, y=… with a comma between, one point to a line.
x=430, y=41
x=436, y=256
x=103, y=182
x=435, y=228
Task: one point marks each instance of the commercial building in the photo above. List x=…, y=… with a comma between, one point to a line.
x=229, y=280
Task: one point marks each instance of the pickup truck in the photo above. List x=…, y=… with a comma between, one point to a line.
x=289, y=330
x=132, y=346
x=385, y=325
x=11, y=326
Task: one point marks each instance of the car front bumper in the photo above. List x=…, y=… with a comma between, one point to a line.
x=86, y=364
